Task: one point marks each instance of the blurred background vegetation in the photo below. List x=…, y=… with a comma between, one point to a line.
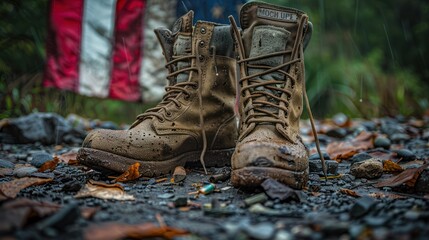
x=366, y=59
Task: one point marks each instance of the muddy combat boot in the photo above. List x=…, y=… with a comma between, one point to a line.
x=271, y=63
x=195, y=119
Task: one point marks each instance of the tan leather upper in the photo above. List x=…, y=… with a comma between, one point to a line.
x=272, y=85
x=174, y=126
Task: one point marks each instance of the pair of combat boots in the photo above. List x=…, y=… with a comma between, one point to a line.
x=196, y=119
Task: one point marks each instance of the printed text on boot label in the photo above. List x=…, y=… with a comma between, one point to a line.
x=277, y=15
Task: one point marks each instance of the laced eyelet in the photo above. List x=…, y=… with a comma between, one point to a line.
x=179, y=106
x=161, y=120
x=201, y=58
x=168, y=114
x=186, y=97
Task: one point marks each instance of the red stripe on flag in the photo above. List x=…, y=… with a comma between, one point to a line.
x=127, y=50
x=63, y=44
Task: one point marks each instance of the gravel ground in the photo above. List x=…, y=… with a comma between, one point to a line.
x=346, y=206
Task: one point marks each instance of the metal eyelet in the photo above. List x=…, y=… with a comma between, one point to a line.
x=201, y=58
x=202, y=43
x=168, y=114
x=203, y=30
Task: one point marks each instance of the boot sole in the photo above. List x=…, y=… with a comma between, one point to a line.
x=252, y=177
x=109, y=163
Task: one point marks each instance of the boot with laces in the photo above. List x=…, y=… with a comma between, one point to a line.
x=195, y=120
x=272, y=83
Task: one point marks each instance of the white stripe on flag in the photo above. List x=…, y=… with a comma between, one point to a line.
x=152, y=77
x=96, y=49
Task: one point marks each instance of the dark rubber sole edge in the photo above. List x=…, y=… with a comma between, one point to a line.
x=109, y=163
x=252, y=177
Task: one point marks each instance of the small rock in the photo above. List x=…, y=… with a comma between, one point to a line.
x=340, y=119
x=283, y=235
x=316, y=156
x=382, y=142
x=337, y=133
x=369, y=169
x=360, y=157
x=24, y=171
x=399, y=137
x=406, y=154
x=260, y=231
x=6, y=164
x=316, y=166
x=361, y=207
x=39, y=158
x=166, y=195
x=180, y=201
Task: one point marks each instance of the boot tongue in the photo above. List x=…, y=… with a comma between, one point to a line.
x=182, y=31
x=268, y=29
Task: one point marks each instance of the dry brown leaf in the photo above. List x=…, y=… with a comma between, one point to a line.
x=346, y=149
x=179, y=174
x=104, y=191
x=385, y=195
x=390, y=166
x=12, y=188
x=49, y=165
x=132, y=173
x=68, y=156
x=409, y=177
x=73, y=162
x=112, y=231
x=349, y=192
x=18, y=212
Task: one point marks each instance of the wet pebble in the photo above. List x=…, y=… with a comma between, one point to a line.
x=260, y=231
x=6, y=164
x=360, y=157
x=369, y=169
x=166, y=196
x=382, y=142
x=24, y=171
x=406, y=154
x=399, y=137
x=39, y=158
x=337, y=133
x=316, y=156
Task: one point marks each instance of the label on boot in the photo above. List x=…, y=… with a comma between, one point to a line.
x=276, y=15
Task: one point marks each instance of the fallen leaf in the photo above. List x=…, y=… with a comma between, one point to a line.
x=390, y=166
x=346, y=149
x=12, y=188
x=17, y=213
x=132, y=173
x=385, y=195
x=73, y=162
x=276, y=190
x=381, y=154
x=68, y=156
x=49, y=165
x=21, y=211
x=349, y=192
x=104, y=191
x=179, y=174
x=112, y=231
x=407, y=177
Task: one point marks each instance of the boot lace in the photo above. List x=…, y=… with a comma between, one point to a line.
x=265, y=105
x=173, y=91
